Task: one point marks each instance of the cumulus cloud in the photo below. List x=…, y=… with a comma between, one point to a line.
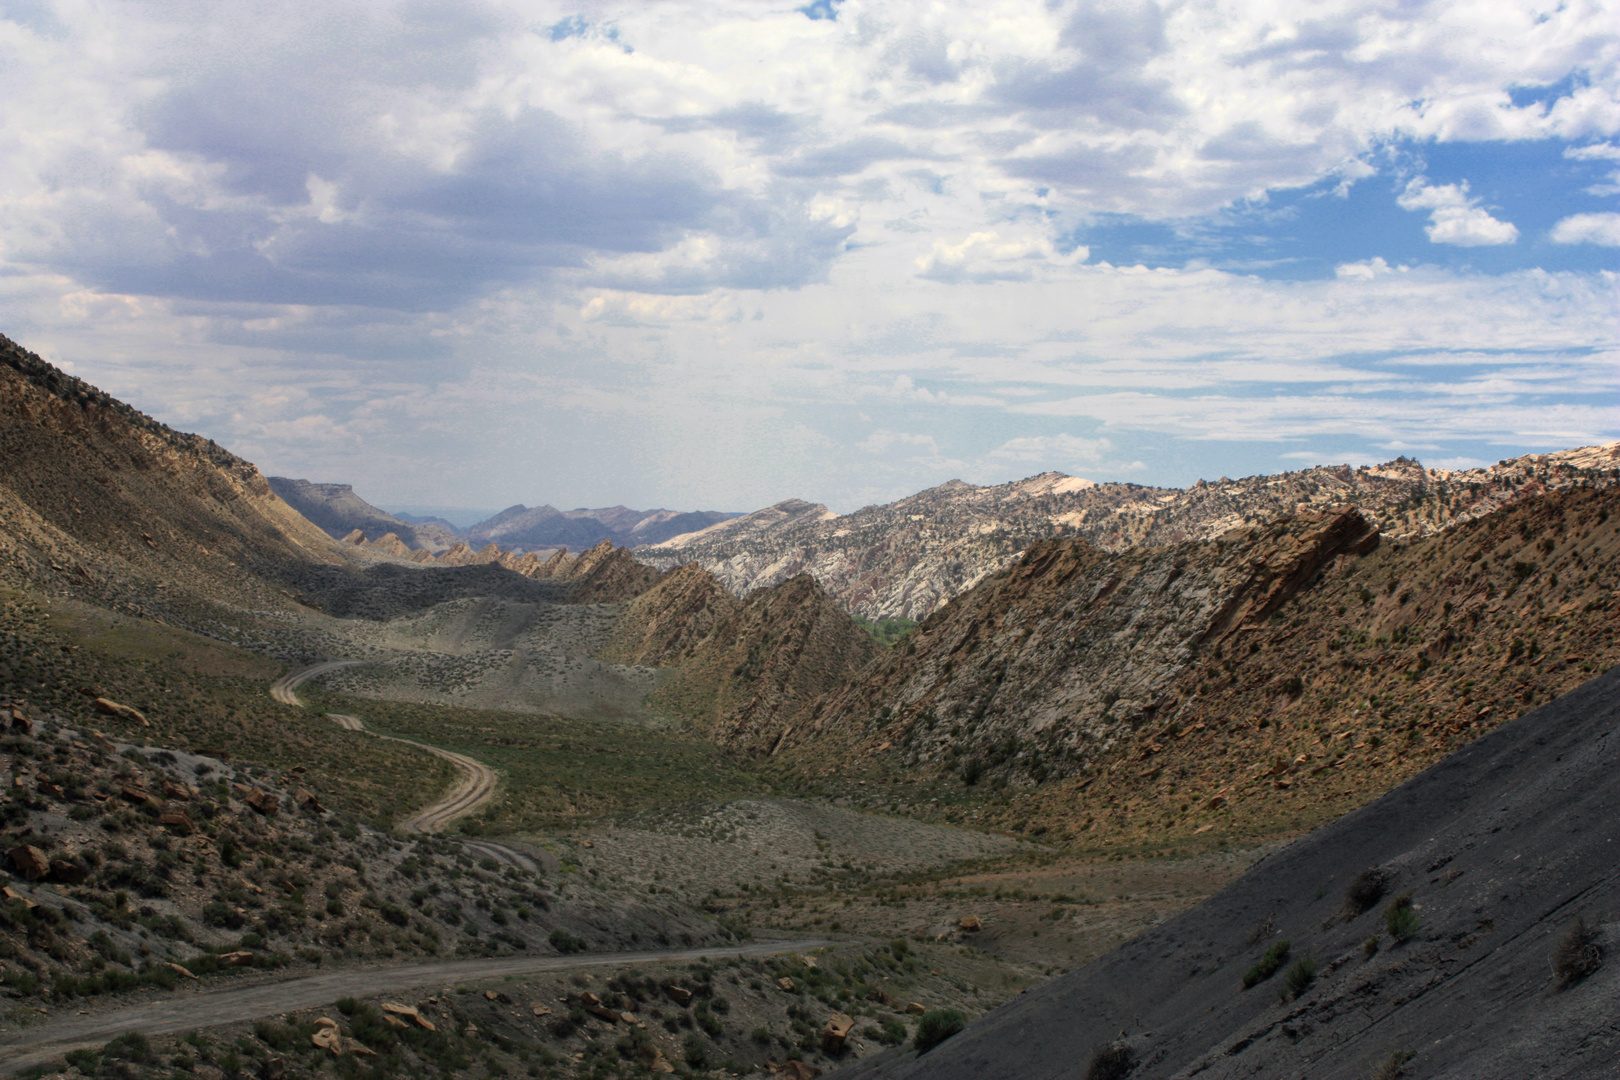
x=988, y=256
x=621, y=235
x=1601, y=229
x=1454, y=217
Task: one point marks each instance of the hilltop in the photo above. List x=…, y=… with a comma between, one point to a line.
x=907, y=558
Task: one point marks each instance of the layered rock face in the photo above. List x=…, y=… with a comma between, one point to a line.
x=100, y=499
x=1055, y=658
x=743, y=669
x=906, y=559
x=1278, y=673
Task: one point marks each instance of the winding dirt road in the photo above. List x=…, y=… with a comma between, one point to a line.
x=477, y=779
x=183, y=1010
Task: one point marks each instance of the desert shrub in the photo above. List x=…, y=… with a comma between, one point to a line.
x=1365, y=891
x=1112, y=1062
x=1299, y=978
x=1392, y=1066
x=1401, y=918
x=890, y=1033
x=130, y=1046
x=1577, y=954
x=936, y=1026
x=1267, y=965
x=564, y=942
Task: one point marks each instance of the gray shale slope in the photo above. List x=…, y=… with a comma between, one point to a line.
x=1501, y=846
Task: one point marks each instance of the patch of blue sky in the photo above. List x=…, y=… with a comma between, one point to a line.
x=1305, y=233
x=818, y=10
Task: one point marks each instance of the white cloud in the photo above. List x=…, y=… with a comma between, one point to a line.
x=1601, y=229
x=1067, y=449
x=1454, y=218
x=988, y=256
x=1365, y=270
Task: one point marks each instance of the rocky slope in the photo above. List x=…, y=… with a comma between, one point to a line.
x=909, y=557
x=1266, y=679
x=740, y=667
x=338, y=511
x=100, y=500
x=1460, y=926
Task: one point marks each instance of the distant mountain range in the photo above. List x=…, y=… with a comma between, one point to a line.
x=907, y=558
x=337, y=510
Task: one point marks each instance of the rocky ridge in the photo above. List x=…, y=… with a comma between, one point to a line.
x=102, y=501
x=339, y=512
x=537, y=528
x=907, y=558
x=1274, y=676
x=738, y=666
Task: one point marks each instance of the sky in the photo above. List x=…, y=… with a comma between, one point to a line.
x=715, y=255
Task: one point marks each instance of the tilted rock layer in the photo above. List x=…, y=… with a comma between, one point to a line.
x=1287, y=670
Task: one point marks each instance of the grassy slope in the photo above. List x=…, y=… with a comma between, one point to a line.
x=558, y=773
x=202, y=695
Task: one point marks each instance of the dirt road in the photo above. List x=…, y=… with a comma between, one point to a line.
x=477, y=779
x=184, y=1011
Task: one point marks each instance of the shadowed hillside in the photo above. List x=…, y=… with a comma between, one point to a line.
x=1459, y=927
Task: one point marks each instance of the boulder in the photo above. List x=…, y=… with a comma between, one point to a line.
x=970, y=924
x=12, y=894
x=836, y=1032
x=680, y=995
x=68, y=872
x=30, y=862
x=176, y=819
x=327, y=1038
x=916, y=1008
x=18, y=721
x=179, y=970
x=239, y=958
x=409, y=1012
x=177, y=792
x=138, y=795
x=262, y=801
x=109, y=707
x=796, y=1070
x=785, y=983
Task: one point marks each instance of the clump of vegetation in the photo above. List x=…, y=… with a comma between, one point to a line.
x=1299, y=979
x=1267, y=965
x=1577, y=954
x=564, y=942
x=1392, y=1066
x=885, y=631
x=936, y=1026
x=1364, y=892
x=1401, y=918
x=1112, y=1062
